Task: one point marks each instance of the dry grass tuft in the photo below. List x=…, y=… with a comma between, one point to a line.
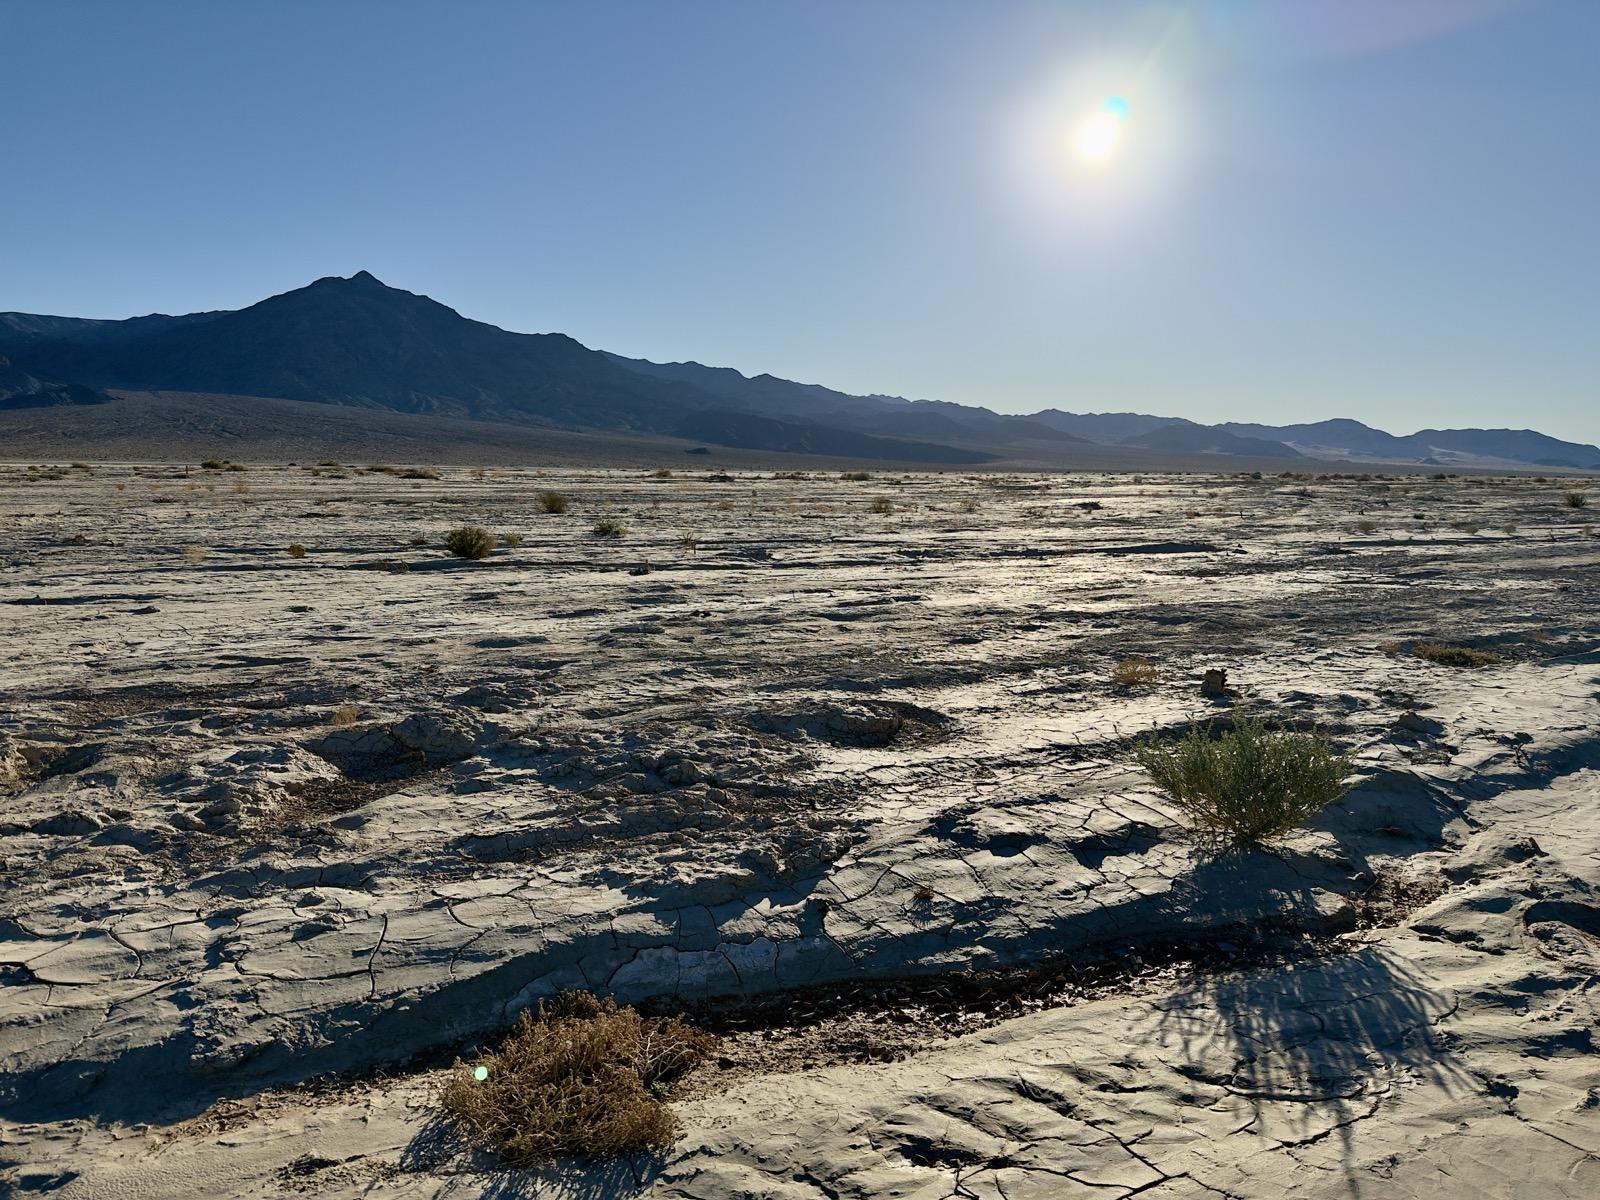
x=1134, y=669
x=344, y=716
x=584, y=1077
x=1454, y=656
x=1250, y=784
x=296, y=550
x=470, y=541
x=193, y=554
x=552, y=502
x=1576, y=499
x=881, y=505
x=512, y=540
x=609, y=527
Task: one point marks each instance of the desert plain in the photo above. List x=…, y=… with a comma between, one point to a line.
x=840, y=765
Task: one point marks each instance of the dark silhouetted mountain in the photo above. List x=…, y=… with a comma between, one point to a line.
x=750, y=431
x=1108, y=429
x=21, y=330
x=1351, y=439
x=1185, y=437
x=21, y=390
x=357, y=342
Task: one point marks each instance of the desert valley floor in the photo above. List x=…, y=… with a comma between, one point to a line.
x=838, y=763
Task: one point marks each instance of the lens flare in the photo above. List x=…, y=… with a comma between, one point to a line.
x=480, y=1073
x=1099, y=135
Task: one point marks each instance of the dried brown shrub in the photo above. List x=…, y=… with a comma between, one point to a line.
x=470, y=541
x=552, y=502
x=881, y=504
x=583, y=1077
x=1134, y=669
x=344, y=716
x=1454, y=656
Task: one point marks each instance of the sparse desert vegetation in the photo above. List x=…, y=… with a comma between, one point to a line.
x=1134, y=669
x=1454, y=656
x=552, y=502
x=470, y=541
x=582, y=1077
x=1250, y=783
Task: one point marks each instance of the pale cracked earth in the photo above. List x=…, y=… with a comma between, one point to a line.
x=268, y=819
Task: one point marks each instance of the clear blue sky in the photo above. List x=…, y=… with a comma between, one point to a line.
x=1383, y=209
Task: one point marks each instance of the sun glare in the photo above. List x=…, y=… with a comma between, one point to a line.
x=1097, y=137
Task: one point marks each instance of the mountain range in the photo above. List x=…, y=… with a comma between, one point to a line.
x=360, y=344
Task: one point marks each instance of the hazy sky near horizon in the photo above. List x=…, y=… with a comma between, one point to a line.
x=1380, y=209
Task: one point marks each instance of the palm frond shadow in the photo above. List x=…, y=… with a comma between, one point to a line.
x=1315, y=1047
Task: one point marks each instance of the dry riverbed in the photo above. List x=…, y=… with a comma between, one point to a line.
x=837, y=763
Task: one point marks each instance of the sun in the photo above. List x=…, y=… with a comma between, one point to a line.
x=1098, y=136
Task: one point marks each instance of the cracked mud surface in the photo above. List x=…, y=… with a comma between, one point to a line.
x=264, y=818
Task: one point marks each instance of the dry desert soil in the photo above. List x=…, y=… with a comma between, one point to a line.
x=838, y=767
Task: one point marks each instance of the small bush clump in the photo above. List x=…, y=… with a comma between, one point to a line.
x=1576, y=499
x=296, y=550
x=419, y=473
x=855, y=476
x=1365, y=526
x=1454, y=656
x=344, y=716
x=212, y=464
x=552, y=502
x=1134, y=669
x=511, y=540
x=584, y=1077
x=1250, y=784
x=881, y=505
x=609, y=527
x=470, y=541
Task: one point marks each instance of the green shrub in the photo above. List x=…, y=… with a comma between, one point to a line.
x=552, y=502
x=609, y=527
x=470, y=541
x=584, y=1077
x=296, y=550
x=512, y=540
x=1249, y=784
x=212, y=464
x=1576, y=499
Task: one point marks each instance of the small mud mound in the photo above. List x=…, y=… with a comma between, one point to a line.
x=1566, y=930
x=376, y=752
x=867, y=723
